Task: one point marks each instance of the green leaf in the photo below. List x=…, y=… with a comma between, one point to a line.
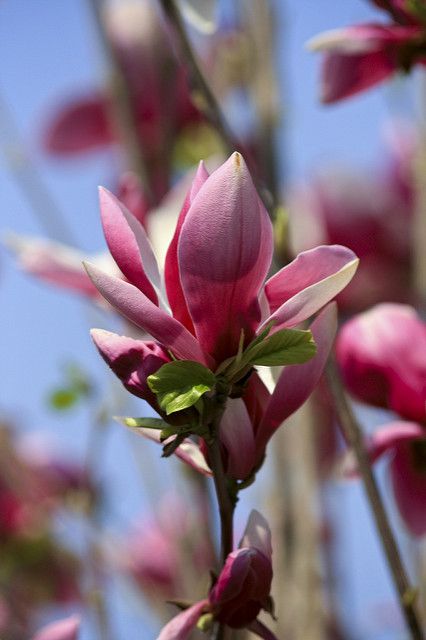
x=287, y=346
x=179, y=385
x=417, y=8
x=62, y=399
x=146, y=423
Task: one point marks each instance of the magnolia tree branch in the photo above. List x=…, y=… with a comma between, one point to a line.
x=353, y=433
x=207, y=100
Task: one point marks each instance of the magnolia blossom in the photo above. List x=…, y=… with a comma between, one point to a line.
x=361, y=56
x=382, y=355
x=214, y=273
x=66, y=629
x=240, y=592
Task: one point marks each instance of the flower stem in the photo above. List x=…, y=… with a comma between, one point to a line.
x=353, y=433
x=226, y=507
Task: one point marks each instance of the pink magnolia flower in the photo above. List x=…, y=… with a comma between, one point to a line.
x=361, y=56
x=66, y=629
x=382, y=355
x=241, y=590
x=214, y=273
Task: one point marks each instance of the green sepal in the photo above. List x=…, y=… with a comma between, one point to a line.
x=180, y=384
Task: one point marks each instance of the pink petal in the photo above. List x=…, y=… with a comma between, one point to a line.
x=53, y=262
x=129, y=245
x=80, y=126
x=131, y=194
x=66, y=629
x=308, y=283
x=259, y=629
x=297, y=382
x=188, y=451
x=175, y=293
x=135, y=306
x=181, y=625
x=131, y=360
x=379, y=364
x=236, y=434
x=359, y=57
x=224, y=253
x=257, y=534
x=232, y=576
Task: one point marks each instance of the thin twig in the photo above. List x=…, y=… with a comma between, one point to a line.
x=354, y=436
x=226, y=508
x=208, y=103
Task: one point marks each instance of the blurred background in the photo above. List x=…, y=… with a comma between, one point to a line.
x=89, y=518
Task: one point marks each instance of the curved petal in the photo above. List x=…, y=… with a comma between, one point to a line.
x=66, y=629
x=80, y=125
x=224, y=253
x=297, y=382
x=257, y=534
x=188, y=451
x=308, y=283
x=232, y=576
x=362, y=38
x=131, y=360
x=174, y=290
x=135, y=306
x=236, y=434
x=181, y=625
x=129, y=245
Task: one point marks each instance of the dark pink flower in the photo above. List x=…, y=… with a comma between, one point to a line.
x=241, y=590
x=382, y=355
x=214, y=280
x=361, y=56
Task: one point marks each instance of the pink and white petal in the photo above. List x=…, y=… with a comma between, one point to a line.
x=361, y=38
x=257, y=534
x=181, y=625
x=224, y=253
x=139, y=309
x=81, y=125
x=129, y=245
x=66, y=629
x=308, y=283
x=384, y=440
x=53, y=262
x=259, y=629
x=188, y=451
x=297, y=382
x=174, y=290
x=236, y=435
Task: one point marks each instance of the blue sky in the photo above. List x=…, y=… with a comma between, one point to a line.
x=48, y=51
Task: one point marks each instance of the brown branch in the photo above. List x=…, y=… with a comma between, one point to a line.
x=354, y=436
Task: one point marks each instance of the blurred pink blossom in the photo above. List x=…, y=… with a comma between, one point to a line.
x=360, y=56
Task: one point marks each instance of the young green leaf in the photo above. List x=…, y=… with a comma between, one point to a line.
x=179, y=385
x=287, y=346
